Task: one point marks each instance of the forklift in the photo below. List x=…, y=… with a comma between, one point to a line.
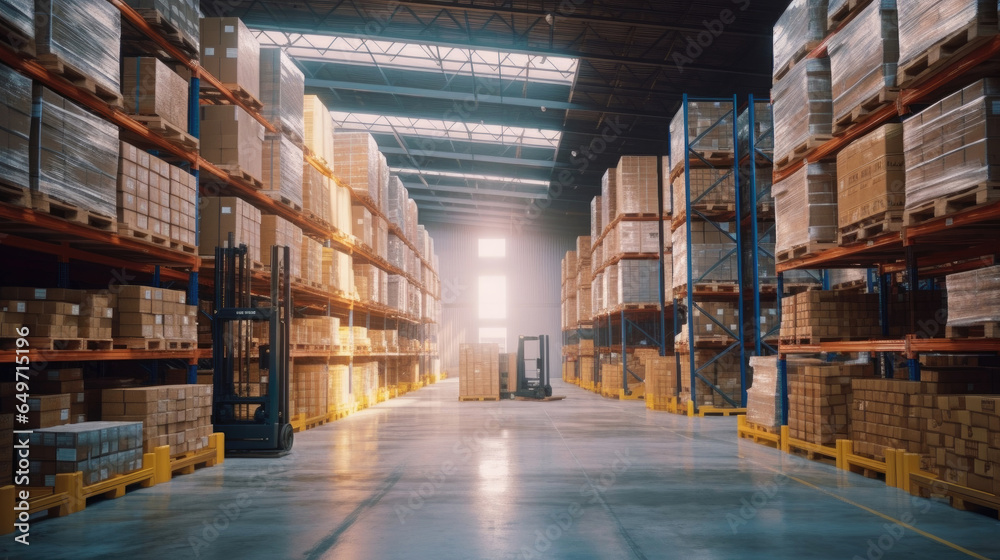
x=251, y=385
x=532, y=368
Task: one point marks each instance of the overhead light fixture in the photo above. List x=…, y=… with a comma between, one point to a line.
x=573, y=153
x=543, y=108
x=550, y=19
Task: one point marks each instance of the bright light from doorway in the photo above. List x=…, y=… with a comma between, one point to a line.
x=492, y=248
x=492, y=297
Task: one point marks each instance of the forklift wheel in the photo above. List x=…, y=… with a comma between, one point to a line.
x=287, y=437
x=548, y=390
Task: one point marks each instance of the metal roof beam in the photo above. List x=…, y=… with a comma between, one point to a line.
x=471, y=190
x=539, y=163
x=467, y=201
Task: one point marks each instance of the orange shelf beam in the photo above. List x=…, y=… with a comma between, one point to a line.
x=8, y=356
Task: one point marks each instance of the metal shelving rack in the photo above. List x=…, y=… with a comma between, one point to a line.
x=690, y=296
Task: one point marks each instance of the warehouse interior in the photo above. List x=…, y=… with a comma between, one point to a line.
x=484, y=279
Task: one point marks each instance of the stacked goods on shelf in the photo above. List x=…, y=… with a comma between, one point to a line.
x=366, y=282
x=73, y=157
x=799, y=30
x=156, y=200
x=381, y=241
x=817, y=315
x=355, y=338
x=610, y=290
x=711, y=321
x=151, y=89
x=803, y=110
x=233, y=140
x=709, y=133
x=412, y=215
x=584, y=309
x=65, y=381
x=479, y=371
x=281, y=91
x=399, y=295
x=661, y=381
x=323, y=332
x=764, y=405
x=338, y=396
x=281, y=232
x=154, y=313
x=926, y=27
x=45, y=411
x=55, y=314
x=609, y=197
x=312, y=261
x=84, y=38
x=99, y=450
x=309, y=386
x=611, y=380
x=871, y=181
x=964, y=442
x=221, y=216
x=231, y=53
x=951, y=155
x=713, y=260
x=636, y=185
x=805, y=205
x=181, y=15
x=176, y=415
x=819, y=400
x=596, y=229
x=281, y=170
x=358, y=163
x=723, y=373
x=863, y=58
x=15, y=102
x=364, y=383
x=572, y=270
x=338, y=271
x=638, y=281
x=317, y=129
x=711, y=189
x=316, y=195
x=633, y=237
x=974, y=301
x=362, y=226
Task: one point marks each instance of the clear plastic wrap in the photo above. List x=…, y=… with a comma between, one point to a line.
x=863, y=57
x=584, y=302
x=710, y=129
x=282, y=86
x=973, y=297
x=317, y=128
x=316, y=198
x=711, y=189
x=150, y=87
x=668, y=273
x=342, y=208
x=609, y=197
x=383, y=185
x=74, y=158
x=611, y=287
x=366, y=281
x=842, y=277
x=395, y=207
x=715, y=258
x=597, y=293
x=925, y=23
x=953, y=146
x=638, y=281
x=19, y=15
x=412, y=218
x=764, y=395
x=596, y=215
x=362, y=226
x=232, y=138
x=395, y=252
x=358, y=162
x=282, y=169
x=763, y=129
x=15, y=99
x=871, y=177
x=636, y=184
x=803, y=107
x=705, y=325
x=382, y=239
x=84, y=34
x=798, y=30
x=183, y=15
x=311, y=260
x=805, y=206
x=231, y=53
x=571, y=310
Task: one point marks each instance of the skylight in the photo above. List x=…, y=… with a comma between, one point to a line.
x=469, y=176
x=452, y=130
x=408, y=56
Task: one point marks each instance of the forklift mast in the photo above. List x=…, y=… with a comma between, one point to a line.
x=533, y=372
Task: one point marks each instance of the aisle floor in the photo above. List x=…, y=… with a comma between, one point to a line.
x=424, y=476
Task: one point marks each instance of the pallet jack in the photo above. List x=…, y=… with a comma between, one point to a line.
x=536, y=385
x=250, y=398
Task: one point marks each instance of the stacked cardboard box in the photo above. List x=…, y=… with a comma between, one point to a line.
x=803, y=108
x=637, y=185
x=479, y=370
x=711, y=189
x=362, y=227
x=55, y=313
x=151, y=88
x=279, y=231
x=281, y=170
x=221, y=216
x=317, y=199
x=709, y=129
x=596, y=222
x=863, y=56
x=14, y=134
x=311, y=265
x=964, y=439
x=801, y=26
x=176, y=415
x=366, y=282
x=338, y=396
x=611, y=285
x=144, y=312
x=182, y=15
x=358, y=163
x=231, y=53
x=310, y=385
x=412, y=216
x=924, y=24
x=354, y=338
x=317, y=129
x=584, y=279
x=661, y=378
x=609, y=198
x=724, y=373
x=281, y=90
x=364, y=383
x=66, y=381
x=232, y=139
x=974, y=297
x=819, y=400
x=73, y=154
x=638, y=281
x=156, y=197
x=822, y=315
x=99, y=450
x=805, y=206
x=631, y=237
x=315, y=331
x=395, y=204
x=707, y=321
x=338, y=271
x=47, y=410
x=713, y=256
x=871, y=179
x=85, y=34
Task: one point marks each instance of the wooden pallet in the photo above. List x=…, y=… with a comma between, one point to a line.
x=884, y=222
x=42, y=202
x=860, y=113
x=56, y=65
x=14, y=195
x=810, y=340
x=984, y=330
x=171, y=32
x=169, y=132
x=757, y=433
x=50, y=343
x=796, y=58
x=699, y=159
x=836, y=18
x=236, y=173
x=180, y=344
x=800, y=251
x=126, y=230
x=280, y=198
x=977, y=195
x=211, y=94
x=128, y=343
x=801, y=150
x=936, y=58
x=464, y=399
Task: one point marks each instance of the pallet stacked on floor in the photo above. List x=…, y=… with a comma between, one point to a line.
x=915, y=412
x=479, y=372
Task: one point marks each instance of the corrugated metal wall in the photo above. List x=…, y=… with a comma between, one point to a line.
x=532, y=267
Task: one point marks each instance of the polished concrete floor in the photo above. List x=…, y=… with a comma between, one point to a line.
x=424, y=476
